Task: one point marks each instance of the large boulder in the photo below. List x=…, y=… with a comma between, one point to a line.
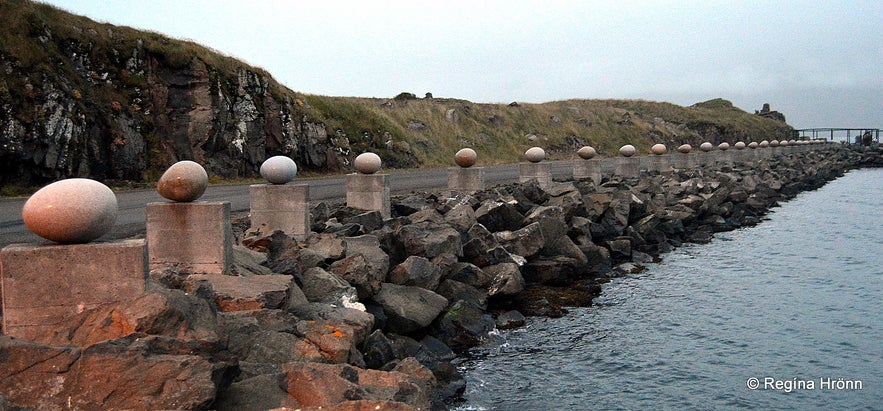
x=170, y=313
x=507, y=279
x=416, y=271
x=326, y=386
x=234, y=293
x=463, y=326
x=360, y=273
x=470, y=274
x=134, y=372
x=320, y=286
x=461, y=217
x=428, y=239
x=498, y=216
x=481, y=247
x=409, y=308
x=526, y=241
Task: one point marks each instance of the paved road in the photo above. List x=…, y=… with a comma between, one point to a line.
x=130, y=221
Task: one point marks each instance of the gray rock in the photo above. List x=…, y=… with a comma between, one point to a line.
x=526, y=242
x=470, y=274
x=378, y=350
x=550, y=219
x=416, y=271
x=428, y=239
x=498, y=216
x=461, y=217
x=360, y=273
x=463, y=326
x=507, y=279
x=330, y=246
x=455, y=290
x=510, y=319
x=320, y=286
x=409, y=308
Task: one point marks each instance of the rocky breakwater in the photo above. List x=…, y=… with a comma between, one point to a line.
x=370, y=312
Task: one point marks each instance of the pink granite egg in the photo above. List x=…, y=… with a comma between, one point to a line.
x=72, y=211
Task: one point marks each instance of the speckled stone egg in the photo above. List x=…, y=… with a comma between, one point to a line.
x=72, y=211
x=740, y=145
x=586, y=152
x=184, y=181
x=764, y=144
x=685, y=148
x=706, y=147
x=278, y=170
x=627, y=150
x=774, y=143
x=367, y=163
x=752, y=145
x=723, y=146
x=658, y=149
x=535, y=154
x=466, y=157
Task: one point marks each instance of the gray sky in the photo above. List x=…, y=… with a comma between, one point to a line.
x=818, y=62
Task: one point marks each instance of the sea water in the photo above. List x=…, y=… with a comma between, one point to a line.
x=784, y=315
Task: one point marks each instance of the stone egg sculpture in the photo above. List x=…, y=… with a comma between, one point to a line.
x=774, y=143
x=706, y=147
x=586, y=152
x=740, y=145
x=367, y=163
x=278, y=170
x=72, y=211
x=723, y=146
x=627, y=150
x=764, y=144
x=792, y=141
x=783, y=143
x=466, y=157
x=685, y=148
x=658, y=149
x=184, y=181
x=535, y=154
x=752, y=145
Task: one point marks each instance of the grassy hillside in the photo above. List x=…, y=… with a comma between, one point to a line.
x=500, y=133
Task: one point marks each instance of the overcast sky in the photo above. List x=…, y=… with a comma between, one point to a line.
x=818, y=62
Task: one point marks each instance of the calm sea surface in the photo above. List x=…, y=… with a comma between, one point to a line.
x=795, y=303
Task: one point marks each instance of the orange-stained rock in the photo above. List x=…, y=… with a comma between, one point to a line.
x=466, y=157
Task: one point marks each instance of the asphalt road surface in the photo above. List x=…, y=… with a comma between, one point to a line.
x=131, y=217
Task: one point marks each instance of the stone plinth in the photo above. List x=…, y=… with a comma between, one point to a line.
x=281, y=207
x=583, y=169
x=724, y=158
x=44, y=284
x=193, y=237
x=683, y=161
x=535, y=171
x=659, y=162
x=466, y=180
x=627, y=166
x=368, y=192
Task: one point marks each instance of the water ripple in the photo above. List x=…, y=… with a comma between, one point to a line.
x=794, y=297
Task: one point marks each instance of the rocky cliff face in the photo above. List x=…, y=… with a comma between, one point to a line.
x=78, y=99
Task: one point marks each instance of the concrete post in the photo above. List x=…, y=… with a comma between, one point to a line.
x=627, y=166
x=44, y=284
x=683, y=161
x=281, y=207
x=368, y=192
x=466, y=180
x=660, y=163
x=194, y=237
x=583, y=169
x=535, y=171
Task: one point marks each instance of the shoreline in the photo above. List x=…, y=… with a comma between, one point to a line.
x=372, y=312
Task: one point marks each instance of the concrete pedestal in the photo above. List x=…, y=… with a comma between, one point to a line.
x=193, y=237
x=659, y=163
x=368, y=192
x=281, y=207
x=465, y=180
x=583, y=169
x=724, y=159
x=682, y=161
x=535, y=171
x=627, y=167
x=41, y=285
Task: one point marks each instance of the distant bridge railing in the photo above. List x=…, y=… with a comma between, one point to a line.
x=849, y=135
